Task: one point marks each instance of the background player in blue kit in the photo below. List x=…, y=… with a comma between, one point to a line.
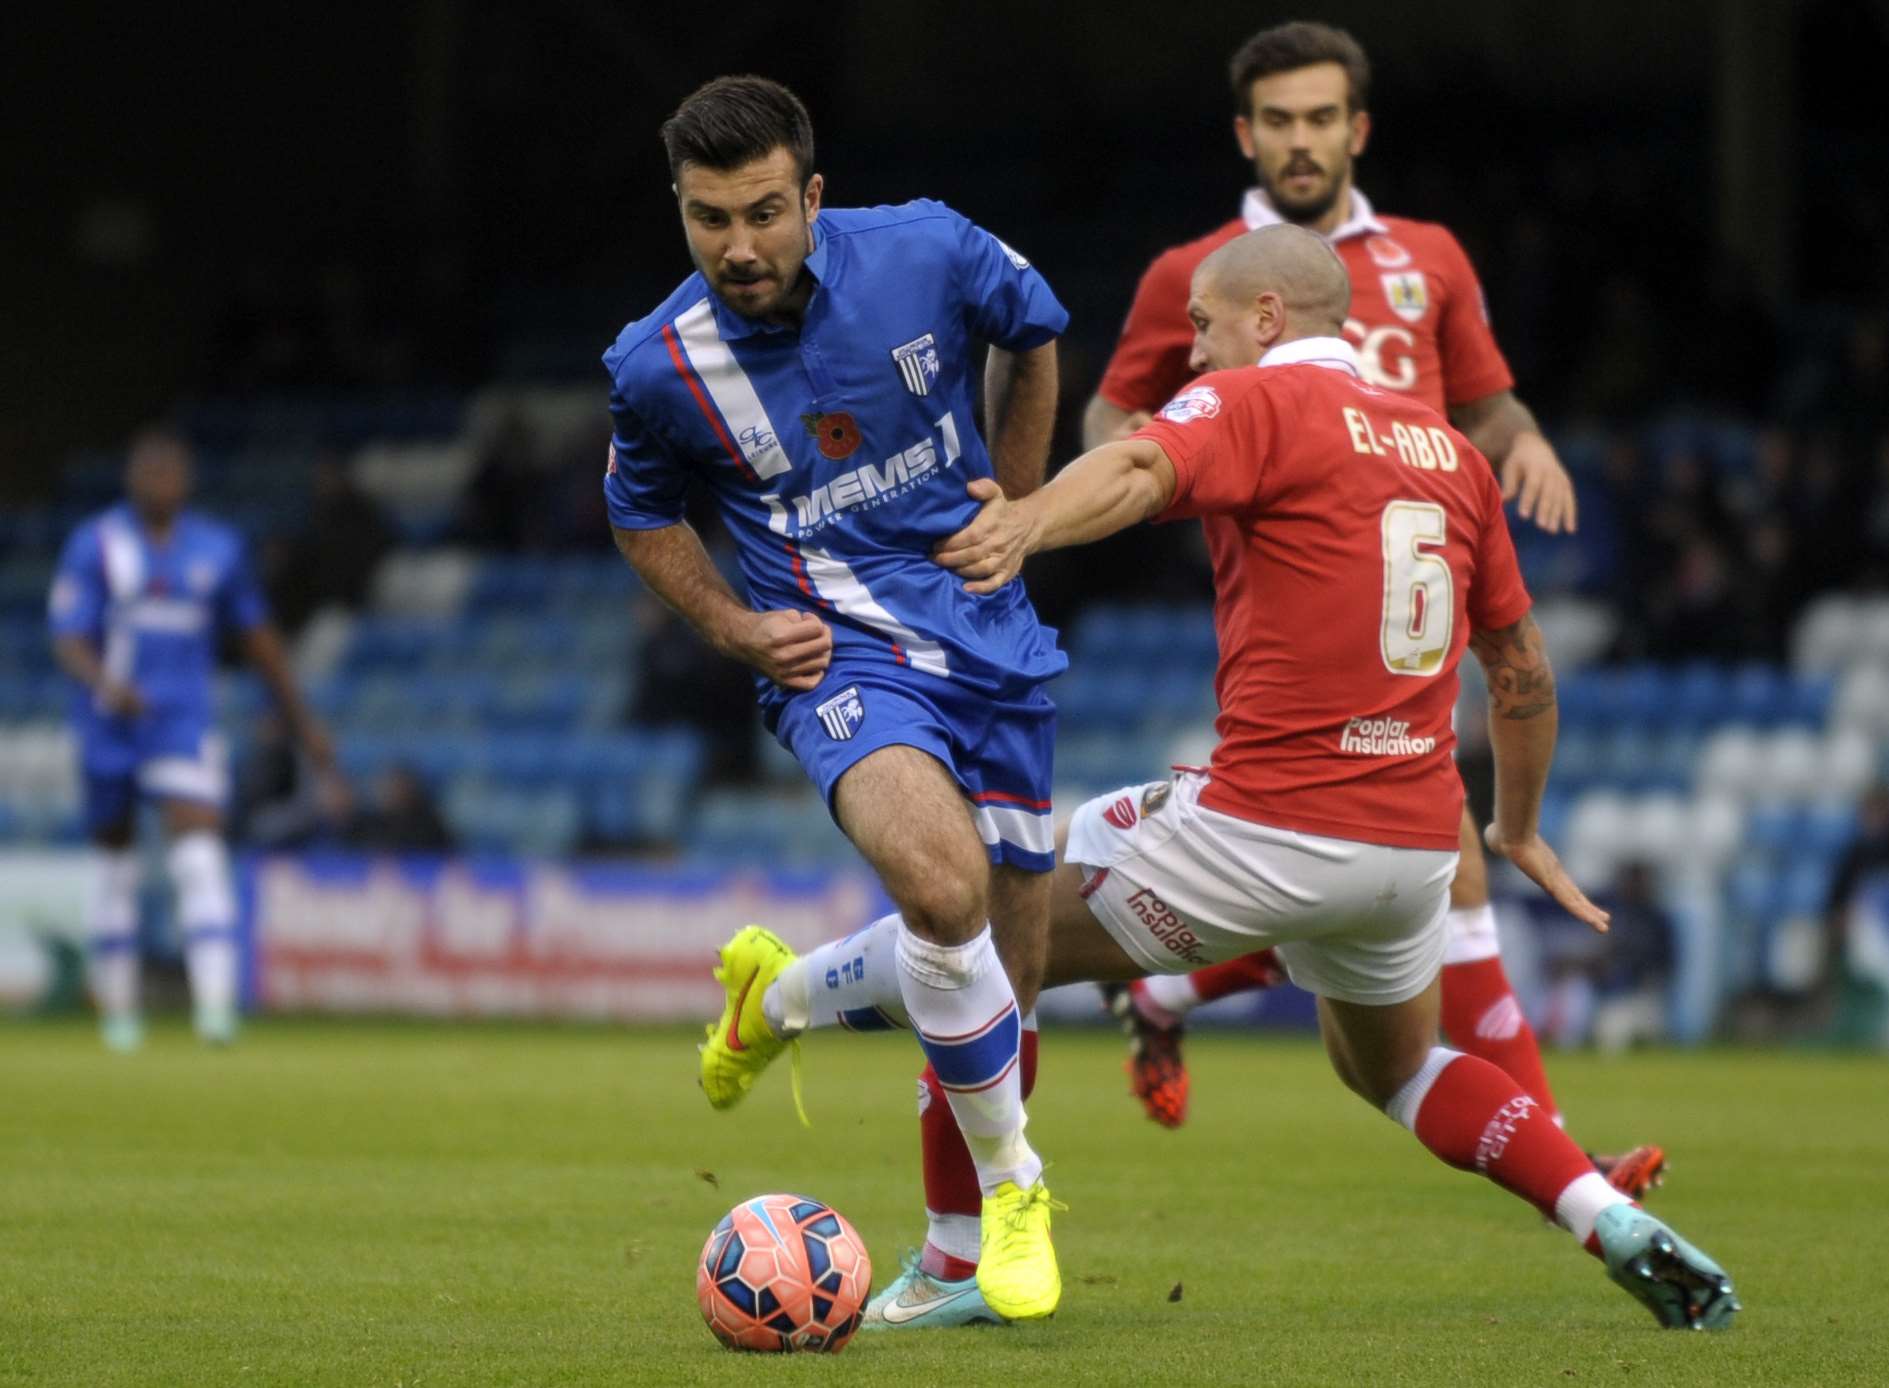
x=142, y=593
x=817, y=374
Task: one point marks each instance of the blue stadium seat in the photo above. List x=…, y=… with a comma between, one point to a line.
x=1701, y=695
x=1753, y=894
x=1581, y=700
x=1758, y=694
x=1772, y=829
x=1808, y=699
x=1827, y=831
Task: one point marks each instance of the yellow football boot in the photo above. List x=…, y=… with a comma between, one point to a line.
x=1016, y=1261
x=740, y=1043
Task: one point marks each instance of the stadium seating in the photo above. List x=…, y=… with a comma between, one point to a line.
x=504, y=681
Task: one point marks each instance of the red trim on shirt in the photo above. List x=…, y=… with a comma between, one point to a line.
x=984, y=797
x=689, y=378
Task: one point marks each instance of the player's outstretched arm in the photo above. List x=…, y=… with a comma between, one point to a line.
x=791, y=648
x=1504, y=431
x=1522, y=725
x=1105, y=490
x=262, y=646
x=1104, y=421
x=1020, y=412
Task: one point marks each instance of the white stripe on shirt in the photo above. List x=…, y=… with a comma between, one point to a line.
x=731, y=390
x=839, y=585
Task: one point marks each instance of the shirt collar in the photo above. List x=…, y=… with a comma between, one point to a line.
x=1257, y=211
x=732, y=326
x=1332, y=352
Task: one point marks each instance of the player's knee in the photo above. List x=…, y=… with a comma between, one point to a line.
x=200, y=868
x=945, y=906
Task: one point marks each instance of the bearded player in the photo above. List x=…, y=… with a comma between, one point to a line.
x=1418, y=324
x=1358, y=547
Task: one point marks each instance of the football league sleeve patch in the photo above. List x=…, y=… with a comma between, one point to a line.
x=644, y=486
x=1008, y=302
x=76, y=603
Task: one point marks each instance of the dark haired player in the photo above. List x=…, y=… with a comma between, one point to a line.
x=1418, y=323
x=817, y=374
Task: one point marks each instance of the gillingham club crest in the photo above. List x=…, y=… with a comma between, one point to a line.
x=842, y=714
x=917, y=362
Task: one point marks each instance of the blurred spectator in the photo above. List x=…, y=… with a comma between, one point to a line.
x=333, y=558
x=278, y=801
x=1637, y=964
x=1858, y=925
x=400, y=818
x=1611, y=989
x=501, y=506
x=682, y=681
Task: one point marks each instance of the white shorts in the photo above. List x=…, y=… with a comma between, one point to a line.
x=1178, y=885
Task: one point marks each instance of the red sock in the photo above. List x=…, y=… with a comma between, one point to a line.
x=951, y=1186
x=1475, y=1117
x=1482, y=1017
x=1242, y=975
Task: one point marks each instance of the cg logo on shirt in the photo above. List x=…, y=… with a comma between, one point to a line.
x=1196, y=402
x=842, y=714
x=836, y=433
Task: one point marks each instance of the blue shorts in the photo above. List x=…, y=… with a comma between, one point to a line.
x=161, y=756
x=999, y=750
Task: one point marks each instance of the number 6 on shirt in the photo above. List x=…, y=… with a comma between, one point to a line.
x=1419, y=592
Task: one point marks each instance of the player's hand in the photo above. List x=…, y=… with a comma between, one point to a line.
x=1132, y=422
x=791, y=648
x=119, y=700
x=1533, y=856
x=1532, y=472
x=990, y=550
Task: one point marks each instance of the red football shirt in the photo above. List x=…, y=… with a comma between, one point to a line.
x=1417, y=314
x=1357, y=540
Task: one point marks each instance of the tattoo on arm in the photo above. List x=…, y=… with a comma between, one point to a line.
x=1515, y=664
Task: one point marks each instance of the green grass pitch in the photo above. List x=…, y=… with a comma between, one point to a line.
x=383, y=1204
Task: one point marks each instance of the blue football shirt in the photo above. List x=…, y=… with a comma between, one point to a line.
x=154, y=611
x=839, y=450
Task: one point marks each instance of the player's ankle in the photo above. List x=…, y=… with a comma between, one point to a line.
x=945, y=1267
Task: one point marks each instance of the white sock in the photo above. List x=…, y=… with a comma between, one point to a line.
x=111, y=923
x=955, y=1235
x=962, y=1008
x=852, y=983
x=1577, y=1207
x=206, y=907
x=1172, y=992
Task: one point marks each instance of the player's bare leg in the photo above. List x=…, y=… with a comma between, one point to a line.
x=111, y=926
x=908, y=817
x=1476, y=1117
x=206, y=908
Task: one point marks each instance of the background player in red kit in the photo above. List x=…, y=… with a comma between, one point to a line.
x=1419, y=325
x=1358, y=547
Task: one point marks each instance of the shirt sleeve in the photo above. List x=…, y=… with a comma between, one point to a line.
x=1150, y=360
x=1217, y=434
x=240, y=605
x=1473, y=366
x=1497, y=595
x=645, y=487
x=76, y=604
x=1007, y=300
